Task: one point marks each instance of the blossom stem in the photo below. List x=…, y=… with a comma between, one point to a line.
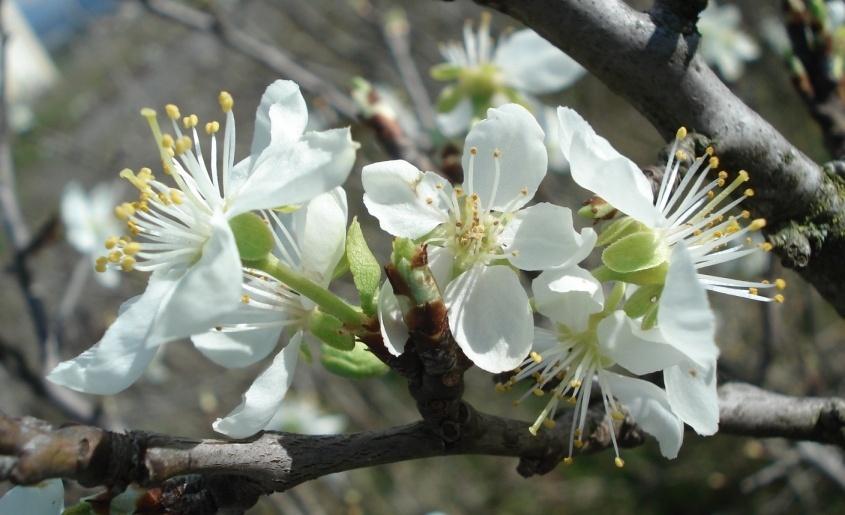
x=329, y=303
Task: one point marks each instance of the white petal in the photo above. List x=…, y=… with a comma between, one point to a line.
x=320, y=229
x=649, y=406
x=692, y=393
x=490, y=317
x=264, y=397
x=210, y=288
x=542, y=236
x=457, y=121
x=568, y=296
x=595, y=165
x=530, y=63
x=394, y=332
x=108, y=279
x=77, y=219
x=121, y=356
x=398, y=194
x=514, y=132
x=627, y=344
x=281, y=117
x=249, y=334
x=293, y=173
x=45, y=498
x=684, y=316
x=441, y=261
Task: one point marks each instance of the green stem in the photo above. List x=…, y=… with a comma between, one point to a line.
x=329, y=302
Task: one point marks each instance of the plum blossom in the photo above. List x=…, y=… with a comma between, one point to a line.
x=489, y=74
x=182, y=236
x=89, y=220
x=474, y=231
x=723, y=43
x=310, y=240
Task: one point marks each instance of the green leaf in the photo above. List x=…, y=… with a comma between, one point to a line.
x=252, y=236
x=639, y=251
x=366, y=271
x=617, y=230
x=656, y=275
x=359, y=363
x=641, y=301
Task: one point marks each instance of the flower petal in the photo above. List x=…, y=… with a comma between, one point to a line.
x=691, y=390
x=457, y=121
x=649, y=406
x=281, y=116
x=531, y=64
x=490, y=317
x=264, y=397
x=76, y=217
x=595, y=165
x=121, y=356
x=320, y=229
x=441, y=261
x=293, y=173
x=621, y=339
x=684, y=316
x=398, y=195
x=45, y=498
x=514, y=132
x=247, y=335
x=542, y=236
x=394, y=332
x=568, y=296
x=209, y=289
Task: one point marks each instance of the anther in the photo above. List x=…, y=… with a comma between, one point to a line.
x=245, y=298
x=778, y=298
x=568, y=460
x=780, y=284
x=212, y=127
x=748, y=192
x=176, y=196
x=167, y=141
x=714, y=162
x=500, y=387
x=536, y=357
x=682, y=133
x=172, y=111
x=132, y=248
x=619, y=462
x=100, y=264
x=226, y=101
x=114, y=256
x=578, y=443
x=723, y=174
x=752, y=291
x=497, y=153
x=745, y=214
x=473, y=151
x=190, y=121
x=127, y=264
x=549, y=423
x=743, y=175
x=617, y=415
x=710, y=151
x=766, y=246
x=111, y=242
x=538, y=392
x=575, y=383
x=757, y=224
x=680, y=155
x=183, y=144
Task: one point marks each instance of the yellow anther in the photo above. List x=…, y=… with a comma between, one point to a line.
x=538, y=392
x=245, y=298
x=720, y=182
x=766, y=246
x=167, y=141
x=619, y=462
x=429, y=201
x=680, y=155
x=114, y=256
x=765, y=281
x=172, y=111
x=568, y=460
x=743, y=175
x=127, y=264
x=536, y=357
x=780, y=284
x=572, y=400
x=226, y=101
x=146, y=174
x=176, y=196
x=752, y=291
x=710, y=194
x=523, y=191
x=124, y=211
x=111, y=242
x=748, y=193
x=717, y=235
x=549, y=423
x=723, y=174
x=682, y=133
x=575, y=383
x=501, y=388
x=714, y=162
x=148, y=112
x=473, y=151
x=212, y=127
x=617, y=415
x=497, y=153
x=710, y=151
x=100, y=264
x=183, y=144
x=757, y=224
x=132, y=248
x=459, y=191
x=778, y=298
x=745, y=214
x=578, y=444
x=190, y=121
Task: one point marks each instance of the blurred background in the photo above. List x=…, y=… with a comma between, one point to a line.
x=78, y=75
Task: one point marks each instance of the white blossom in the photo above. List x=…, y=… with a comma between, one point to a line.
x=182, y=236
x=474, y=231
x=723, y=43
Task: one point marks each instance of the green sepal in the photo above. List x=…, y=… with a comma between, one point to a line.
x=341, y=269
x=330, y=330
x=640, y=302
x=656, y=275
x=252, y=236
x=305, y=354
x=445, y=72
x=638, y=251
x=366, y=271
x=617, y=230
x=596, y=209
x=359, y=363
x=650, y=318
x=612, y=300
x=449, y=99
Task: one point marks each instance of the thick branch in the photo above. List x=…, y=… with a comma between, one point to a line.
x=650, y=59
x=31, y=450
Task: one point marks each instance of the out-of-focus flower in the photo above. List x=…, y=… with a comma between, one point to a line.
x=723, y=43
x=89, y=220
x=184, y=236
x=304, y=415
x=474, y=230
x=311, y=241
x=488, y=74
x=45, y=498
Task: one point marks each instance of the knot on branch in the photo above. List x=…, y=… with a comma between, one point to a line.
x=831, y=422
x=198, y=495
x=678, y=15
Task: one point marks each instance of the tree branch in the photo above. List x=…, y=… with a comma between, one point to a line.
x=652, y=62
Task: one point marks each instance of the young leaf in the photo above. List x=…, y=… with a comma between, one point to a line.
x=366, y=271
x=359, y=363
